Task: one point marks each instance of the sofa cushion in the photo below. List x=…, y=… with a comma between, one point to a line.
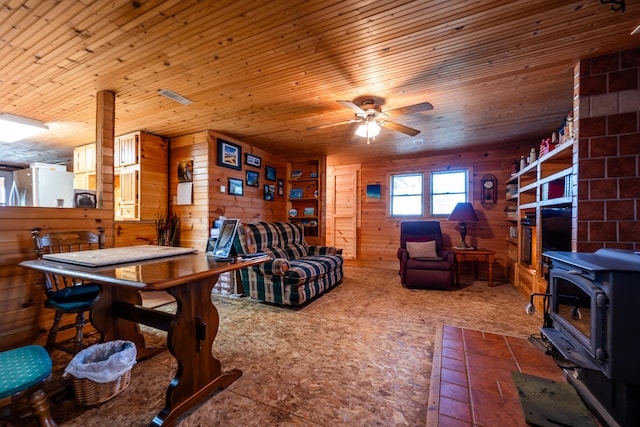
x=295, y=251
x=305, y=269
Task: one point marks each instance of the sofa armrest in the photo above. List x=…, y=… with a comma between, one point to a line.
x=321, y=250
x=275, y=267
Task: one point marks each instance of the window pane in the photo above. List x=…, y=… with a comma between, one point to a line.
x=449, y=182
x=443, y=204
x=407, y=184
x=407, y=205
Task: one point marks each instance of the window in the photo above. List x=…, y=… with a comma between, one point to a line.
x=3, y=197
x=447, y=190
x=406, y=194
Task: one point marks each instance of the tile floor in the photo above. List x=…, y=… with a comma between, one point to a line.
x=471, y=383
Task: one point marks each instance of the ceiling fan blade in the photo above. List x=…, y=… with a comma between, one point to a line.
x=398, y=127
x=352, y=106
x=410, y=109
x=344, y=122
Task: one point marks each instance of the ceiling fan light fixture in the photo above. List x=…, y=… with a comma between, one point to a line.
x=369, y=129
x=14, y=128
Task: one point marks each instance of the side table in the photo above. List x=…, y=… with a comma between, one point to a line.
x=475, y=255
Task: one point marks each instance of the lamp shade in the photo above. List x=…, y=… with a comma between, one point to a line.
x=463, y=212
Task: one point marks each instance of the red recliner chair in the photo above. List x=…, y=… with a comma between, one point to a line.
x=424, y=263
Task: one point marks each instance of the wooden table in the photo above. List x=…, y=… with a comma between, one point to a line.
x=117, y=311
x=475, y=255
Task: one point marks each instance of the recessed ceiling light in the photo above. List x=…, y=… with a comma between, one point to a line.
x=174, y=96
x=14, y=128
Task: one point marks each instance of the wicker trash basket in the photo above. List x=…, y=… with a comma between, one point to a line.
x=102, y=371
x=92, y=393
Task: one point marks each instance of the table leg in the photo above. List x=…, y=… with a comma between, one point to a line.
x=190, y=340
x=108, y=324
x=490, y=262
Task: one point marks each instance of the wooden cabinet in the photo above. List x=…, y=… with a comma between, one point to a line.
x=305, y=194
x=126, y=150
x=141, y=180
x=84, y=167
x=545, y=185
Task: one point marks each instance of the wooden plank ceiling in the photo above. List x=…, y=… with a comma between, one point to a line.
x=265, y=71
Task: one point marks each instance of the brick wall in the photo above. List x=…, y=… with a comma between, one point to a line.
x=608, y=127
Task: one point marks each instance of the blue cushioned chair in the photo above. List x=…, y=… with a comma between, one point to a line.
x=65, y=295
x=22, y=372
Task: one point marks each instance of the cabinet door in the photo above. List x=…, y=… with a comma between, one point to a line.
x=79, y=155
x=126, y=150
x=90, y=158
x=127, y=203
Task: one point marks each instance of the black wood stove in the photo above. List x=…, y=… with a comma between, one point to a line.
x=592, y=321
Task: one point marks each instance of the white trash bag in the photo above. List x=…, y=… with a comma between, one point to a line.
x=103, y=363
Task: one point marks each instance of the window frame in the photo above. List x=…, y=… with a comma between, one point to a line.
x=391, y=178
x=467, y=188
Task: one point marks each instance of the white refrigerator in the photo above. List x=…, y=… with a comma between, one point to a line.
x=42, y=185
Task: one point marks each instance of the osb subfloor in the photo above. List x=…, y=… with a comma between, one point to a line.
x=359, y=355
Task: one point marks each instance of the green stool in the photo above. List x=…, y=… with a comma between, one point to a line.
x=22, y=371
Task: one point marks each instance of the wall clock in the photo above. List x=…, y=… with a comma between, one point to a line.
x=489, y=189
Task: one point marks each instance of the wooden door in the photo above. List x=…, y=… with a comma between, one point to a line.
x=344, y=209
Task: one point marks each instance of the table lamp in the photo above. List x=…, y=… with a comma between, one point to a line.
x=463, y=212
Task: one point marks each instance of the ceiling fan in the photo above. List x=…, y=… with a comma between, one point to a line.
x=371, y=118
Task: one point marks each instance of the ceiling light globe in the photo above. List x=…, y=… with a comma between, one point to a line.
x=368, y=130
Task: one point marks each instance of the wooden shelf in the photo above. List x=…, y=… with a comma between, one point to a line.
x=308, y=184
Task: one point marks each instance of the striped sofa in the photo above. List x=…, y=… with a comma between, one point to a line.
x=296, y=273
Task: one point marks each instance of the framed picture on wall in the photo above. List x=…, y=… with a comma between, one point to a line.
x=229, y=154
x=235, y=186
x=252, y=160
x=270, y=173
x=253, y=178
x=280, y=187
x=269, y=190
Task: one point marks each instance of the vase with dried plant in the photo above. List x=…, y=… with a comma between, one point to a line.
x=167, y=229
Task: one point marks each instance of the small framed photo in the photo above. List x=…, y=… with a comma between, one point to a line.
x=229, y=154
x=84, y=198
x=252, y=179
x=252, y=160
x=309, y=211
x=270, y=173
x=269, y=190
x=280, y=187
x=235, y=186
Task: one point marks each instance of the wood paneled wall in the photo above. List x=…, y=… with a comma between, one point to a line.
x=209, y=202
x=379, y=234
x=24, y=319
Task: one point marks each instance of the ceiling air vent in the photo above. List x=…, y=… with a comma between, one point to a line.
x=174, y=96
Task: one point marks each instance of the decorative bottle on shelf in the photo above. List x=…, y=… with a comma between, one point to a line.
x=533, y=155
x=523, y=162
